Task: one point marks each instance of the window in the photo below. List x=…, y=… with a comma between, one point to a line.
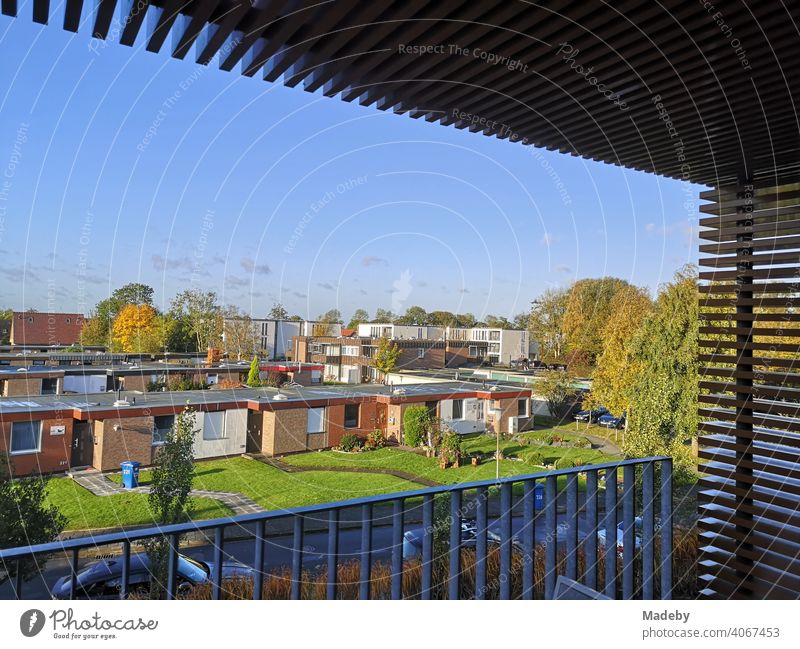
x=49, y=386
x=494, y=348
x=214, y=426
x=162, y=424
x=522, y=407
x=473, y=350
x=26, y=437
x=480, y=411
x=316, y=420
x=213, y=379
x=419, y=332
x=494, y=335
x=350, y=350
x=458, y=408
x=421, y=353
x=351, y=415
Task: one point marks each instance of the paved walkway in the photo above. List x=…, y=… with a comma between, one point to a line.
x=100, y=485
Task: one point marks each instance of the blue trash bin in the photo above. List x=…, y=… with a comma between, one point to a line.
x=130, y=474
x=538, y=496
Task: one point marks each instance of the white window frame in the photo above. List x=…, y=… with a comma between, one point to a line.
x=223, y=434
x=321, y=418
x=527, y=407
x=31, y=451
x=421, y=352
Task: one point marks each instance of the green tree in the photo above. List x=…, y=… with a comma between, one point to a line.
x=239, y=333
x=172, y=478
x=546, y=323
x=277, y=312
x=588, y=309
x=556, y=388
x=498, y=322
x=611, y=381
x=416, y=420
x=201, y=314
x=383, y=316
x=6, y=314
x=386, y=356
x=360, y=316
x=443, y=319
x=414, y=315
x=25, y=519
x=663, y=416
x=99, y=330
x=253, y=379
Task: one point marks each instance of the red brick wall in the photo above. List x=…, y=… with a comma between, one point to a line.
x=46, y=328
x=367, y=422
x=55, y=452
x=408, y=360
x=133, y=441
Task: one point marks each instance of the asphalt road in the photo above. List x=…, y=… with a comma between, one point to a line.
x=277, y=554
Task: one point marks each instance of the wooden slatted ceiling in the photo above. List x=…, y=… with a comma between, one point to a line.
x=749, y=499
x=733, y=122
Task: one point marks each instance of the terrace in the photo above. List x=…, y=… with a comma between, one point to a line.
x=699, y=97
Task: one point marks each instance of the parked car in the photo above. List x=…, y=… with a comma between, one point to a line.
x=591, y=416
x=412, y=540
x=637, y=531
x=104, y=577
x=610, y=421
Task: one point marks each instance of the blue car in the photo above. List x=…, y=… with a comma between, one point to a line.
x=103, y=578
x=610, y=421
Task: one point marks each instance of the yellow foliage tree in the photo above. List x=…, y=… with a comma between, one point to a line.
x=614, y=373
x=133, y=327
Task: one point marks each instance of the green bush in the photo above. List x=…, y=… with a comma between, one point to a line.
x=564, y=463
x=350, y=443
x=581, y=442
x=375, y=439
x=535, y=458
x=415, y=423
x=548, y=439
x=450, y=447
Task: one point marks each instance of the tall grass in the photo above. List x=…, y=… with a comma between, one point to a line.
x=278, y=585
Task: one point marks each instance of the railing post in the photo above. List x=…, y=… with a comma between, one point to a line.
x=611, y=534
x=366, y=552
x=219, y=541
x=73, y=582
x=551, y=539
x=333, y=554
x=455, y=545
x=172, y=566
x=572, y=530
x=18, y=579
x=628, y=530
x=666, y=529
x=648, y=530
x=258, y=581
x=505, y=540
x=297, y=557
x=427, y=545
x=528, y=538
x=126, y=569
x=397, y=549
x=482, y=523
x=590, y=542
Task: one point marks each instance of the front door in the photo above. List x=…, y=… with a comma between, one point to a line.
x=82, y=445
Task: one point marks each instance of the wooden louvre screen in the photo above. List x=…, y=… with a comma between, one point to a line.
x=749, y=447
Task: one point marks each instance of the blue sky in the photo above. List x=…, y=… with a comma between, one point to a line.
x=119, y=165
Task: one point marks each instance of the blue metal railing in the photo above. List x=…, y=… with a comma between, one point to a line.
x=564, y=529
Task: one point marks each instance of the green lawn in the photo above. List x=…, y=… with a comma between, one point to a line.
x=275, y=489
x=85, y=510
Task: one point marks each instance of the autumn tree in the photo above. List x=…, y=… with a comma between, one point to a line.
x=588, y=308
x=100, y=330
x=546, y=323
x=360, y=316
x=557, y=389
x=611, y=381
x=663, y=416
x=238, y=333
x=386, y=356
x=202, y=315
x=132, y=327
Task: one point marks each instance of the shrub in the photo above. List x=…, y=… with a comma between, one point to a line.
x=350, y=443
x=180, y=383
x=581, y=442
x=556, y=388
x=450, y=448
x=415, y=425
x=564, y=463
x=375, y=439
x=535, y=458
x=548, y=439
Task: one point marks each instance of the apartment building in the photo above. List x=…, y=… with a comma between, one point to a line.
x=350, y=359
x=51, y=434
x=271, y=339
x=35, y=328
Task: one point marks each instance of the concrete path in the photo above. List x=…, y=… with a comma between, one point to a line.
x=100, y=485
